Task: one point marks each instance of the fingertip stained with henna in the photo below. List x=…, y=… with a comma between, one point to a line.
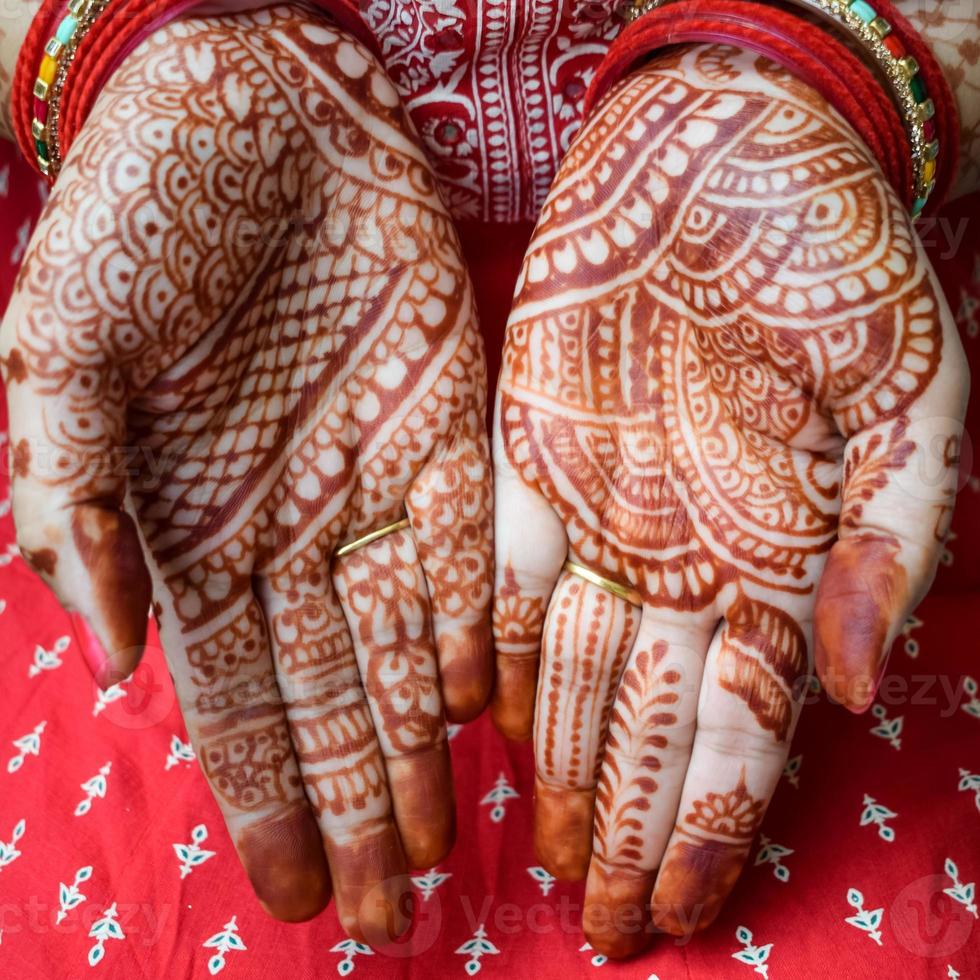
x=284, y=858
x=373, y=893
x=563, y=819
x=863, y=590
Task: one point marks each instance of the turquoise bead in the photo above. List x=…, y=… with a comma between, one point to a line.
x=865, y=11
x=920, y=203
x=65, y=29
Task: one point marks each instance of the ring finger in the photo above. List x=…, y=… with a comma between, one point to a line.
x=385, y=601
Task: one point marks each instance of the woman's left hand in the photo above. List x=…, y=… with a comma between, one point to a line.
x=731, y=386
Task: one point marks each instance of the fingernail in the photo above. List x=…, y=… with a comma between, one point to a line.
x=424, y=805
x=466, y=671
x=96, y=659
x=513, y=697
x=861, y=592
x=694, y=881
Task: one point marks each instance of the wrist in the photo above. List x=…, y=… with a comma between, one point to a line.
x=14, y=24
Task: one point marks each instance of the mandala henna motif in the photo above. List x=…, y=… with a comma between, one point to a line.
x=765, y=310
x=246, y=271
x=522, y=618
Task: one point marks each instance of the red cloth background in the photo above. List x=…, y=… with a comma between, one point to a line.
x=920, y=760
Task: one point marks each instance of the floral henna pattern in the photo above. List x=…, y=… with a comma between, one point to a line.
x=734, y=367
x=246, y=272
x=637, y=737
x=723, y=355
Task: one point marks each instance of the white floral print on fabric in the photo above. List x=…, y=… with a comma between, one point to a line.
x=29, y=744
x=890, y=729
x=476, y=948
x=972, y=690
x=791, y=771
x=179, y=752
x=191, y=855
x=45, y=660
x=428, y=883
x=770, y=853
x=543, y=878
x=104, y=929
x=497, y=798
x=224, y=942
x=879, y=815
x=94, y=789
x=751, y=955
x=961, y=892
x=70, y=896
x=350, y=948
x=970, y=783
x=8, y=851
x=104, y=698
x=866, y=920
x=911, y=644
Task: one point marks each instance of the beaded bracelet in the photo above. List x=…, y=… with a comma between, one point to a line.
x=50, y=81
x=901, y=70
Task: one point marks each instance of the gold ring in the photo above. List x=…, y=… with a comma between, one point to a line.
x=368, y=538
x=624, y=592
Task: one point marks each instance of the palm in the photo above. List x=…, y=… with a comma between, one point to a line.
x=711, y=352
x=283, y=326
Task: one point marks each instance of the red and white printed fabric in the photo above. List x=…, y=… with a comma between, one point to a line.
x=113, y=856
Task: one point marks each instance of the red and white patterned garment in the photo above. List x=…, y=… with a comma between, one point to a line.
x=113, y=857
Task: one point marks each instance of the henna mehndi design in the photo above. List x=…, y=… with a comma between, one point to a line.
x=246, y=271
x=725, y=352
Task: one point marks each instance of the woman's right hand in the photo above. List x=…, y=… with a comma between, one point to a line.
x=245, y=289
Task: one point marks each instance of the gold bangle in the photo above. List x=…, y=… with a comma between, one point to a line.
x=368, y=538
x=623, y=591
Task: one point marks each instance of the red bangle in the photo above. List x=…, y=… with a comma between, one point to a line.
x=812, y=55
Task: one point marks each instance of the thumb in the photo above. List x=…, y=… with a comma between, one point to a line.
x=900, y=481
x=67, y=410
